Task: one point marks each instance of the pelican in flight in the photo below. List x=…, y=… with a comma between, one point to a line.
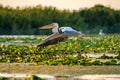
x=59, y=34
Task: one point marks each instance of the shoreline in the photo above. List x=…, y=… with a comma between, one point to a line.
x=73, y=70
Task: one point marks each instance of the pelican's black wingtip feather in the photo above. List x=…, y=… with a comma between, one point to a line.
x=53, y=41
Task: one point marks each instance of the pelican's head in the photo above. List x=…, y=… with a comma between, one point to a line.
x=101, y=30
x=53, y=25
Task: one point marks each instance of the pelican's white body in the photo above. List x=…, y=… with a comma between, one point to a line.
x=66, y=30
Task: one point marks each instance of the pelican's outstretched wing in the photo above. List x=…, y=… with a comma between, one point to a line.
x=53, y=39
x=71, y=32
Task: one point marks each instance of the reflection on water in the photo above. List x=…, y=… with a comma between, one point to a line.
x=17, y=36
x=21, y=76
x=21, y=39
x=98, y=77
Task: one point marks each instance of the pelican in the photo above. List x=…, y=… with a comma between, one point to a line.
x=59, y=34
x=101, y=32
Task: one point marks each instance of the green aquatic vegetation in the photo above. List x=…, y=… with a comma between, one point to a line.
x=65, y=53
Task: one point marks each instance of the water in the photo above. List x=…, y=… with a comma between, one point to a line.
x=21, y=39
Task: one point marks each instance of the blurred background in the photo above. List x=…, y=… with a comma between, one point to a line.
x=23, y=17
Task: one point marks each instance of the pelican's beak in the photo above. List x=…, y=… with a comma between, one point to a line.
x=47, y=27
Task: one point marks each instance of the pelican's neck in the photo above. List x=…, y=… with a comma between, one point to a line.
x=55, y=30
